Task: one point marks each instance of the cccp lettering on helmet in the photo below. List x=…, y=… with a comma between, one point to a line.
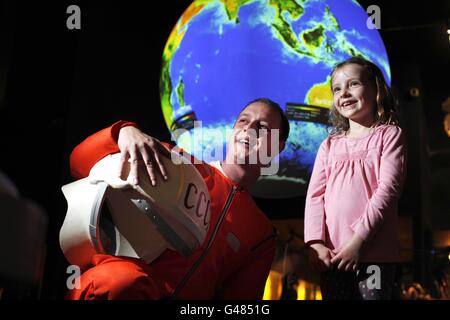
x=197, y=201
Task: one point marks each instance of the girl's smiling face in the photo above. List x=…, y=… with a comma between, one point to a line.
x=354, y=96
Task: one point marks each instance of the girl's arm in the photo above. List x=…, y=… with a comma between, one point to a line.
x=314, y=229
x=319, y=255
x=392, y=175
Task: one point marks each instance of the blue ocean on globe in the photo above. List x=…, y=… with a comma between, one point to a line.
x=223, y=54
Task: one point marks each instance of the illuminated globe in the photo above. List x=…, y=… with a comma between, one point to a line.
x=223, y=54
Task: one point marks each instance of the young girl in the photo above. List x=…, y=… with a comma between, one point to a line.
x=351, y=204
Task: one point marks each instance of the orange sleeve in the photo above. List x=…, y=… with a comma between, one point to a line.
x=94, y=148
x=249, y=281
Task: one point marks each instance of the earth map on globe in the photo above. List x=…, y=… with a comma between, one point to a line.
x=222, y=54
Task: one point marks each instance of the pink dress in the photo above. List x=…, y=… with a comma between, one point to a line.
x=354, y=188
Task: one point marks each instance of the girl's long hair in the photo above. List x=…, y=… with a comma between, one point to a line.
x=385, y=101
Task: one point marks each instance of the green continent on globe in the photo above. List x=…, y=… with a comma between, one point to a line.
x=232, y=8
x=180, y=93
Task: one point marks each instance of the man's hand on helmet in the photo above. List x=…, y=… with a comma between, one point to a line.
x=140, y=149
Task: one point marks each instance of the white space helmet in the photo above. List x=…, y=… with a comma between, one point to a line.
x=108, y=215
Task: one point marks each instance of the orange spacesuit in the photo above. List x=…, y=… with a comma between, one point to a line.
x=232, y=263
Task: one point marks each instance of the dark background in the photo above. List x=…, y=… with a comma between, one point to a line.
x=57, y=86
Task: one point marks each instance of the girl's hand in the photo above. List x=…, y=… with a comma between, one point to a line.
x=319, y=256
x=140, y=148
x=348, y=256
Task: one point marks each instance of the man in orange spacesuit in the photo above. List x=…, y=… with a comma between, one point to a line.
x=236, y=256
